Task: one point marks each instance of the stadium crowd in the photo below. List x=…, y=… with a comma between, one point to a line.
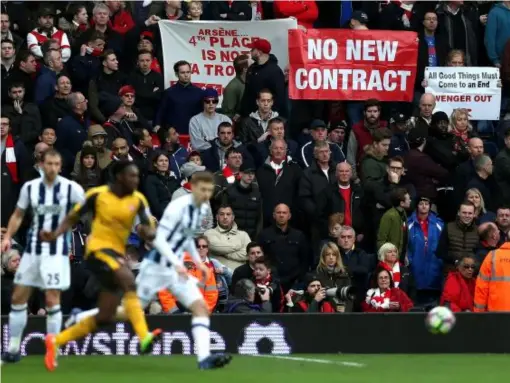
x=392, y=204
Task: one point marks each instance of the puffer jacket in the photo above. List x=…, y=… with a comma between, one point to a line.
x=426, y=267
x=228, y=245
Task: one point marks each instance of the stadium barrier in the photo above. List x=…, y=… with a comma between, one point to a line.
x=292, y=333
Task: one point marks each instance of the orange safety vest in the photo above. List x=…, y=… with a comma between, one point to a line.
x=208, y=289
x=492, y=292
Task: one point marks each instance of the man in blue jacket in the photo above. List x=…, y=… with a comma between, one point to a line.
x=424, y=230
x=497, y=32
x=45, y=83
x=180, y=102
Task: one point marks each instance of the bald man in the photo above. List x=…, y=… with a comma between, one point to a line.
x=489, y=237
x=466, y=170
x=120, y=151
x=287, y=248
x=36, y=170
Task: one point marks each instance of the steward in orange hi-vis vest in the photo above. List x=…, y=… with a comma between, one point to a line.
x=208, y=288
x=492, y=292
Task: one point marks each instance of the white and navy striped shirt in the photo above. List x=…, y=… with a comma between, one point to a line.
x=49, y=205
x=180, y=224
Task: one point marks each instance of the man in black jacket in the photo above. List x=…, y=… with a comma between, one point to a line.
x=244, y=297
x=244, y=198
x=253, y=251
x=264, y=73
x=287, y=248
x=466, y=170
x=24, y=72
x=278, y=180
x=149, y=86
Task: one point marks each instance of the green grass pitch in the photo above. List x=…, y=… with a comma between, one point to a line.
x=435, y=368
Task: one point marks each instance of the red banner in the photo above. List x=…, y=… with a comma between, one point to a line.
x=341, y=64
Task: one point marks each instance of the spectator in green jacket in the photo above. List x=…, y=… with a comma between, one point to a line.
x=393, y=225
x=233, y=93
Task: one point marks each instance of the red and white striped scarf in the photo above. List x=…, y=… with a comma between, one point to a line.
x=277, y=167
x=395, y=271
x=10, y=158
x=377, y=299
x=229, y=175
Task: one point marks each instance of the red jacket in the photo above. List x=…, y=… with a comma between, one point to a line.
x=306, y=12
x=364, y=137
x=122, y=22
x=459, y=292
x=396, y=295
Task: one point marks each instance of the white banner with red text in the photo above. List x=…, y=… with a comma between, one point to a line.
x=340, y=64
x=473, y=88
x=212, y=46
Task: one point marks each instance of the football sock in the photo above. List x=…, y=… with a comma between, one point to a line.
x=135, y=314
x=53, y=319
x=78, y=331
x=17, y=323
x=201, y=336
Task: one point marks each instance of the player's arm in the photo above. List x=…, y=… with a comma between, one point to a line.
x=166, y=229
x=146, y=229
x=16, y=218
x=87, y=203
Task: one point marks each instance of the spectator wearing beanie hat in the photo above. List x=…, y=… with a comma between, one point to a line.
x=116, y=126
x=203, y=127
x=264, y=73
x=399, y=126
x=422, y=171
x=359, y=21
x=132, y=114
x=336, y=135
x=439, y=142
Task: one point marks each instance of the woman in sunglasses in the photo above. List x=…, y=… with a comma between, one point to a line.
x=459, y=289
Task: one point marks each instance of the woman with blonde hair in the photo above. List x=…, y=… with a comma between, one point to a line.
x=456, y=57
x=461, y=130
x=388, y=257
x=331, y=272
x=474, y=196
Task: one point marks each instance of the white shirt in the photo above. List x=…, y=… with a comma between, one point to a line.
x=50, y=204
x=177, y=230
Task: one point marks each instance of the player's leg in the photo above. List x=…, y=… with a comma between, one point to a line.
x=190, y=296
x=107, y=304
x=27, y=276
x=17, y=321
x=53, y=312
x=133, y=308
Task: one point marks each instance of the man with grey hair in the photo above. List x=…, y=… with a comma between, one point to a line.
x=72, y=131
x=483, y=181
x=47, y=79
x=426, y=109
x=359, y=264
x=278, y=180
x=245, y=292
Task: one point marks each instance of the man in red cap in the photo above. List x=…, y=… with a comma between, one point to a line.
x=264, y=73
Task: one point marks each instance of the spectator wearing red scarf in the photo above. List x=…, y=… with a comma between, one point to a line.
x=459, y=289
x=461, y=130
x=263, y=278
x=388, y=256
x=14, y=160
x=385, y=297
x=306, y=12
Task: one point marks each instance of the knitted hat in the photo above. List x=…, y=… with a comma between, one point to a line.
x=439, y=116
x=109, y=104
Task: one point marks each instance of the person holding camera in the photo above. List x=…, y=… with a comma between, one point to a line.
x=332, y=274
x=243, y=301
x=264, y=280
x=312, y=300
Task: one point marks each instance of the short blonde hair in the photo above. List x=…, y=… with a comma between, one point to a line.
x=388, y=246
x=336, y=252
x=456, y=113
x=482, y=202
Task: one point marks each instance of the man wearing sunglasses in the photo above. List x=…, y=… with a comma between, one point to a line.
x=203, y=127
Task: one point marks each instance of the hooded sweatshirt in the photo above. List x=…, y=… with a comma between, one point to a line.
x=104, y=156
x=497, y=32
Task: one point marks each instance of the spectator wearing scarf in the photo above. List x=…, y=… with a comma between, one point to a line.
x=385, y=297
